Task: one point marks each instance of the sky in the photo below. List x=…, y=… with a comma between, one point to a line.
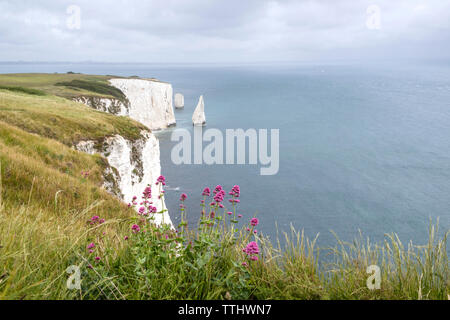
x=232, y=31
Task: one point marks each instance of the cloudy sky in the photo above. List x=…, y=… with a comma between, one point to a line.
x=223, y=31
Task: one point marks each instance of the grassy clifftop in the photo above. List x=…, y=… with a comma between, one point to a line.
x=61, y=119
x=64, y=85
x=45, y=200
x=69, y=85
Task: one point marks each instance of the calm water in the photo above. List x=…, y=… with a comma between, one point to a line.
x=361, y=148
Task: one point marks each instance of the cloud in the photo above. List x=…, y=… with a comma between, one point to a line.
x=222, y=31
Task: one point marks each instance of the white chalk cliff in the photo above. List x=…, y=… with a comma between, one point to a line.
x=148, y=102
x=134, y=165
x=179, y=101
x=199, y=117
x=114, y=106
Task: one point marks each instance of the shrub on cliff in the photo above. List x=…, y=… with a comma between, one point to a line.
x=95, y=86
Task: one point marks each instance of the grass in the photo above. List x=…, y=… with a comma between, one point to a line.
x=207, y=262
x=95, y=86
x=45, y=202
x=63, y=120
x=44, y=209
x=39, y=243
x=69, y=85
x=24, y=90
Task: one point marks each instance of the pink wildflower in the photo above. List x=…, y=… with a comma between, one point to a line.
x=218, y=189
x=147, y=192
x=136, y=228
x=252, y=248
x=254, y=222
x=220, y=195
x=235, y=192
x=183, y=197
x=206, y=192
x=162, y=180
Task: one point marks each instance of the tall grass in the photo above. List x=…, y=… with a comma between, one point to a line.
x=38, y=245
x=208, y=262
x=45, y=206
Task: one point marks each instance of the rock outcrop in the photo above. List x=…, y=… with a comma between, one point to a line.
x=199, y=118
x=133, y=165
x=179, y=101
x=114, y=106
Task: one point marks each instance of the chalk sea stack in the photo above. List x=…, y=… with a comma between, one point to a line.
x=179, y=101
x=199, y=118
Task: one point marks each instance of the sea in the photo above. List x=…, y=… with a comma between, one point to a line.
x=364, y=149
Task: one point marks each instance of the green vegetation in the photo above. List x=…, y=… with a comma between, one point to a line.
x=44, y=207
x=69, y=85
x=52, y=205
x=60, y=119
x=95, y=86
x=216, y=260
x=24, y=90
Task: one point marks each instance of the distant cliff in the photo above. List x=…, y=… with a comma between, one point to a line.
x=148, y=101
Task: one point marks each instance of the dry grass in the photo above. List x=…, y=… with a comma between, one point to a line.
x=44, y=210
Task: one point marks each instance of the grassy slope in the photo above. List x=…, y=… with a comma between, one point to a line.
x=45, y=202
x=47, y=83
x=62, y=120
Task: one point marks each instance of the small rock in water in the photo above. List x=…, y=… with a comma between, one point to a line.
x=179, y=101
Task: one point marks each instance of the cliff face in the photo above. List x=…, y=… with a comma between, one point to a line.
x=150, y=101
x=113, y=106
x=134, y=164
